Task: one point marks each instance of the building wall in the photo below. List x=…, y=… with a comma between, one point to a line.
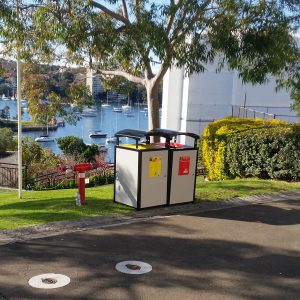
x=189, y=103
x=172, y=106
x=261, y=95
x=93, y=81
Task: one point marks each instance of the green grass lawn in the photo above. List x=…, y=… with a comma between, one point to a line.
x=220, y=190
x=50, y=206
x=39, y=207
x=28, y=123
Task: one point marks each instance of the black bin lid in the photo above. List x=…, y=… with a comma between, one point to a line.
x=170, y=134
x=165, y=133
x=131, y=133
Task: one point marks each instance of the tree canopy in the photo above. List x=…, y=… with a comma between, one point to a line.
x=139, y=40
x=6, y=140
x=51, y=95
x=75, y=146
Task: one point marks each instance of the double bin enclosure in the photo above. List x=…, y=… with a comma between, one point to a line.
x=154, y=174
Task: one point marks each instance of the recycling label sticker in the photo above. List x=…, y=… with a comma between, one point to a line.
x=155, y=166
x=184, y=165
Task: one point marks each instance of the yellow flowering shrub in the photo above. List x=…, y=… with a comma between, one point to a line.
x=215, y=138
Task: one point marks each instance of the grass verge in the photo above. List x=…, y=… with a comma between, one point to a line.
x=40, y=207
x=220, y=190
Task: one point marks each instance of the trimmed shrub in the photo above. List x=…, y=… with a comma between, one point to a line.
x=6, y=140
x=101, y=179
x=66, y=184
x=266, y=153
x=215, y=140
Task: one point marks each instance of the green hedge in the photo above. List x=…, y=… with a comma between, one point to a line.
x=101, y=179
x=216, y=136
x=6, y=140
x=266, y=153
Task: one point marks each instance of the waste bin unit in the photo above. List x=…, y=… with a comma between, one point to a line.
x=141, y=171
x=182, y=166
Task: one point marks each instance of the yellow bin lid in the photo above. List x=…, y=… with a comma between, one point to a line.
x=142, y=146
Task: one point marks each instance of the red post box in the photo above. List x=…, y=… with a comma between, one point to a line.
x=81, y=169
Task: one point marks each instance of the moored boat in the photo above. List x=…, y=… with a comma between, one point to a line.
x=102, y=148
x=98, y=134
x=129, y=115
x=111, y=140
x=117, y=109
x=44, y=138
x=88, y=114
x=105, y=105
x=126, y=107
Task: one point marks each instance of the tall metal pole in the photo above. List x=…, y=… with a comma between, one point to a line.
x=19, y=126
x=20, y=175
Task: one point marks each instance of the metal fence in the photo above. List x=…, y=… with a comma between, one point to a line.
x=53, y=180
x=246, y=112
x=8, y=175
x=49, y=180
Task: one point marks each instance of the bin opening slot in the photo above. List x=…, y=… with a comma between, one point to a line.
x=169, y=135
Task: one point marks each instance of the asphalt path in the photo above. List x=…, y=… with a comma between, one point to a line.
x=249, y=252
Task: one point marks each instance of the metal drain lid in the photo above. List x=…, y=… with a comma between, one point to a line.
x=49, y=281
x=133, y=267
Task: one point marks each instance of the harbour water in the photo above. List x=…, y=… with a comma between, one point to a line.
x=103, y=118
x=109, y=122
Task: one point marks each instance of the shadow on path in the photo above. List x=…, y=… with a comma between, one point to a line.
x=273, y=214
x=184, y=265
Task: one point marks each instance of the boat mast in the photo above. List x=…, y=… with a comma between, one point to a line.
x=47, y=127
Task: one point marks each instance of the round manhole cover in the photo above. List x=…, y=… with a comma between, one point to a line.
x=133, y=267
x=49, y=281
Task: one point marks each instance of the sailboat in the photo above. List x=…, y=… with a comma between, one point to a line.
x=112, y=139
x=118, y=109
x=46, y=137
x=89, y=112
x=127, y=106
x=102, y=148
x=128, y=114
x=4, y=98
x=98, y=133
x=106, y=104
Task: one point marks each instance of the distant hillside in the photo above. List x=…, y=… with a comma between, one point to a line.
x=8, y=74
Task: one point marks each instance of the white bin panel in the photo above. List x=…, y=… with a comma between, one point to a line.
x=126, y=185
x=154, y=188
x=182, y=186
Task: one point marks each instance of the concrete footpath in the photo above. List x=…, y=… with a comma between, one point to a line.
x=242, y=248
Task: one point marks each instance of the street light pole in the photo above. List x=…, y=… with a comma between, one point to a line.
x=20, y=175
x=19, y=126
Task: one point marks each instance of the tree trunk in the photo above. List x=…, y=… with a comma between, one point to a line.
x=153, y=107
